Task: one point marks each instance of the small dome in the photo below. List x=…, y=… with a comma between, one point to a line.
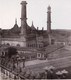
x=49, y=7
x=23, y=2
x=32, y=26
x=16, y=27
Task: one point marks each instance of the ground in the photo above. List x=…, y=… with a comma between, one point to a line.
x=64, y=62
x=57, y=63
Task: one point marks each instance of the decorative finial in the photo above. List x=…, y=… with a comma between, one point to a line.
x=42, y=28
x=32, y=23
x=49, y=8
x=37, y=28
x=16, y=21
x=23, y=2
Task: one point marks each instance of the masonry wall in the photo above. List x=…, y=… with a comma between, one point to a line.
x=13, y=42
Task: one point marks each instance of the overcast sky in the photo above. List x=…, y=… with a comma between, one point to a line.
x=36, y=12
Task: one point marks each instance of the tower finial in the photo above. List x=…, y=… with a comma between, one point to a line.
x=32, y=24
x=49, y=7
x=16, y=21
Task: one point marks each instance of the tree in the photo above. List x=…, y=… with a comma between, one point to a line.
x=11, y=51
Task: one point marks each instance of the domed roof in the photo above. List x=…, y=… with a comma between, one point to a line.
x=32, y=26
x=49, y=7
x=16, y=27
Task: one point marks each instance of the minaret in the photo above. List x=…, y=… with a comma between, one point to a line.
x=49, y=24
x=23, y=18
x=49, y=20
x=23, y=24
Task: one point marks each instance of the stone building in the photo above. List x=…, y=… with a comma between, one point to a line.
x=29, y=37
x=26, y=36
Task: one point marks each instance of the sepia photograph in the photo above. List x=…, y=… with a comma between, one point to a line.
x=35, y=39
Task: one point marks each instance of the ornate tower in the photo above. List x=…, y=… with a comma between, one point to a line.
x=49, y=24
x=23, y=23
x=23, y=18
x=49, y=20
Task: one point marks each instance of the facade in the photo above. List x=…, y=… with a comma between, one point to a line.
x=32, y=44
x=25, y=36
x=31, y=38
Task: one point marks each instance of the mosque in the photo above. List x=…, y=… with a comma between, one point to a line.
x=26, y=36
x=32, y=40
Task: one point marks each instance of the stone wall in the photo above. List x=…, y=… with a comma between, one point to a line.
x=14, y=42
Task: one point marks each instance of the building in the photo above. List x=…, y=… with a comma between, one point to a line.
x=25, y=36
x=31, y=38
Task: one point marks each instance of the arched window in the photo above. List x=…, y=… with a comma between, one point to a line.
x=2, y=53
x=18, y=45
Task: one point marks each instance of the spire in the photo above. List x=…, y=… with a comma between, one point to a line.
x=32, y=24
x=16, y=21
x=49, y=8
x=37, y=28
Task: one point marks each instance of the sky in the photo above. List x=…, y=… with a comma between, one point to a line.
x=36, y=12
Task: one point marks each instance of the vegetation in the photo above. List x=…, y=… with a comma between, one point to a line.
x=11, y=51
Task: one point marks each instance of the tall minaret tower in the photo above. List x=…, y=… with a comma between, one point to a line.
x=23, y=18
x=49, y=20
x=49, y=24
x=23, y=23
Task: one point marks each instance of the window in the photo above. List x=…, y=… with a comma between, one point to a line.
x=52, y=41
x=18, y=45
x=3, y=54
x=39, y=55
x=40, y=45
x=69, y=44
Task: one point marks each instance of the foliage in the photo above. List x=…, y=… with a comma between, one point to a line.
x=11, y=51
